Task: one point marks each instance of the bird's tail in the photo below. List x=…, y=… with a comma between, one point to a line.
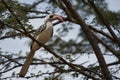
x=27, y=64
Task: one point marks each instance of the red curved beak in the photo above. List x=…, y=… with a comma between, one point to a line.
x=58, y=17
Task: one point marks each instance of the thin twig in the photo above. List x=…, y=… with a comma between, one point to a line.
x=12, y=60
x=9, y=69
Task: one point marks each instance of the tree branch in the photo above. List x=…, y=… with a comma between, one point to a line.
x=35, y=17
x=12, y=60
x=9, y=69
x=15, y=35
x=104, y=20
x=52, y=52
x=108, y=47
x=16, y=18
x=38, y=12
x=101, y=32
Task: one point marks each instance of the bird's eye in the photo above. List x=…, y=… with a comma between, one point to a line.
x=51, y=16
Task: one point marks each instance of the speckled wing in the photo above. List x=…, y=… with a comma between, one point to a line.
x=40, y=29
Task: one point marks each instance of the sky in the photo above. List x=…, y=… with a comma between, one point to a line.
x=21, y=45
x=114, y=5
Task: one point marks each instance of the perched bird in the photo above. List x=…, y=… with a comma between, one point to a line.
x=44, y=34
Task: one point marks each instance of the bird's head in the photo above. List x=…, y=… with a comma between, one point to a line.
x=52, y=17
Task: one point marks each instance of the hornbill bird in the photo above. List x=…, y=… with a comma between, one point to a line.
x=44, y=34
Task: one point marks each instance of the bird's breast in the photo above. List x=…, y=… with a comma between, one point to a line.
x=45, y=35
